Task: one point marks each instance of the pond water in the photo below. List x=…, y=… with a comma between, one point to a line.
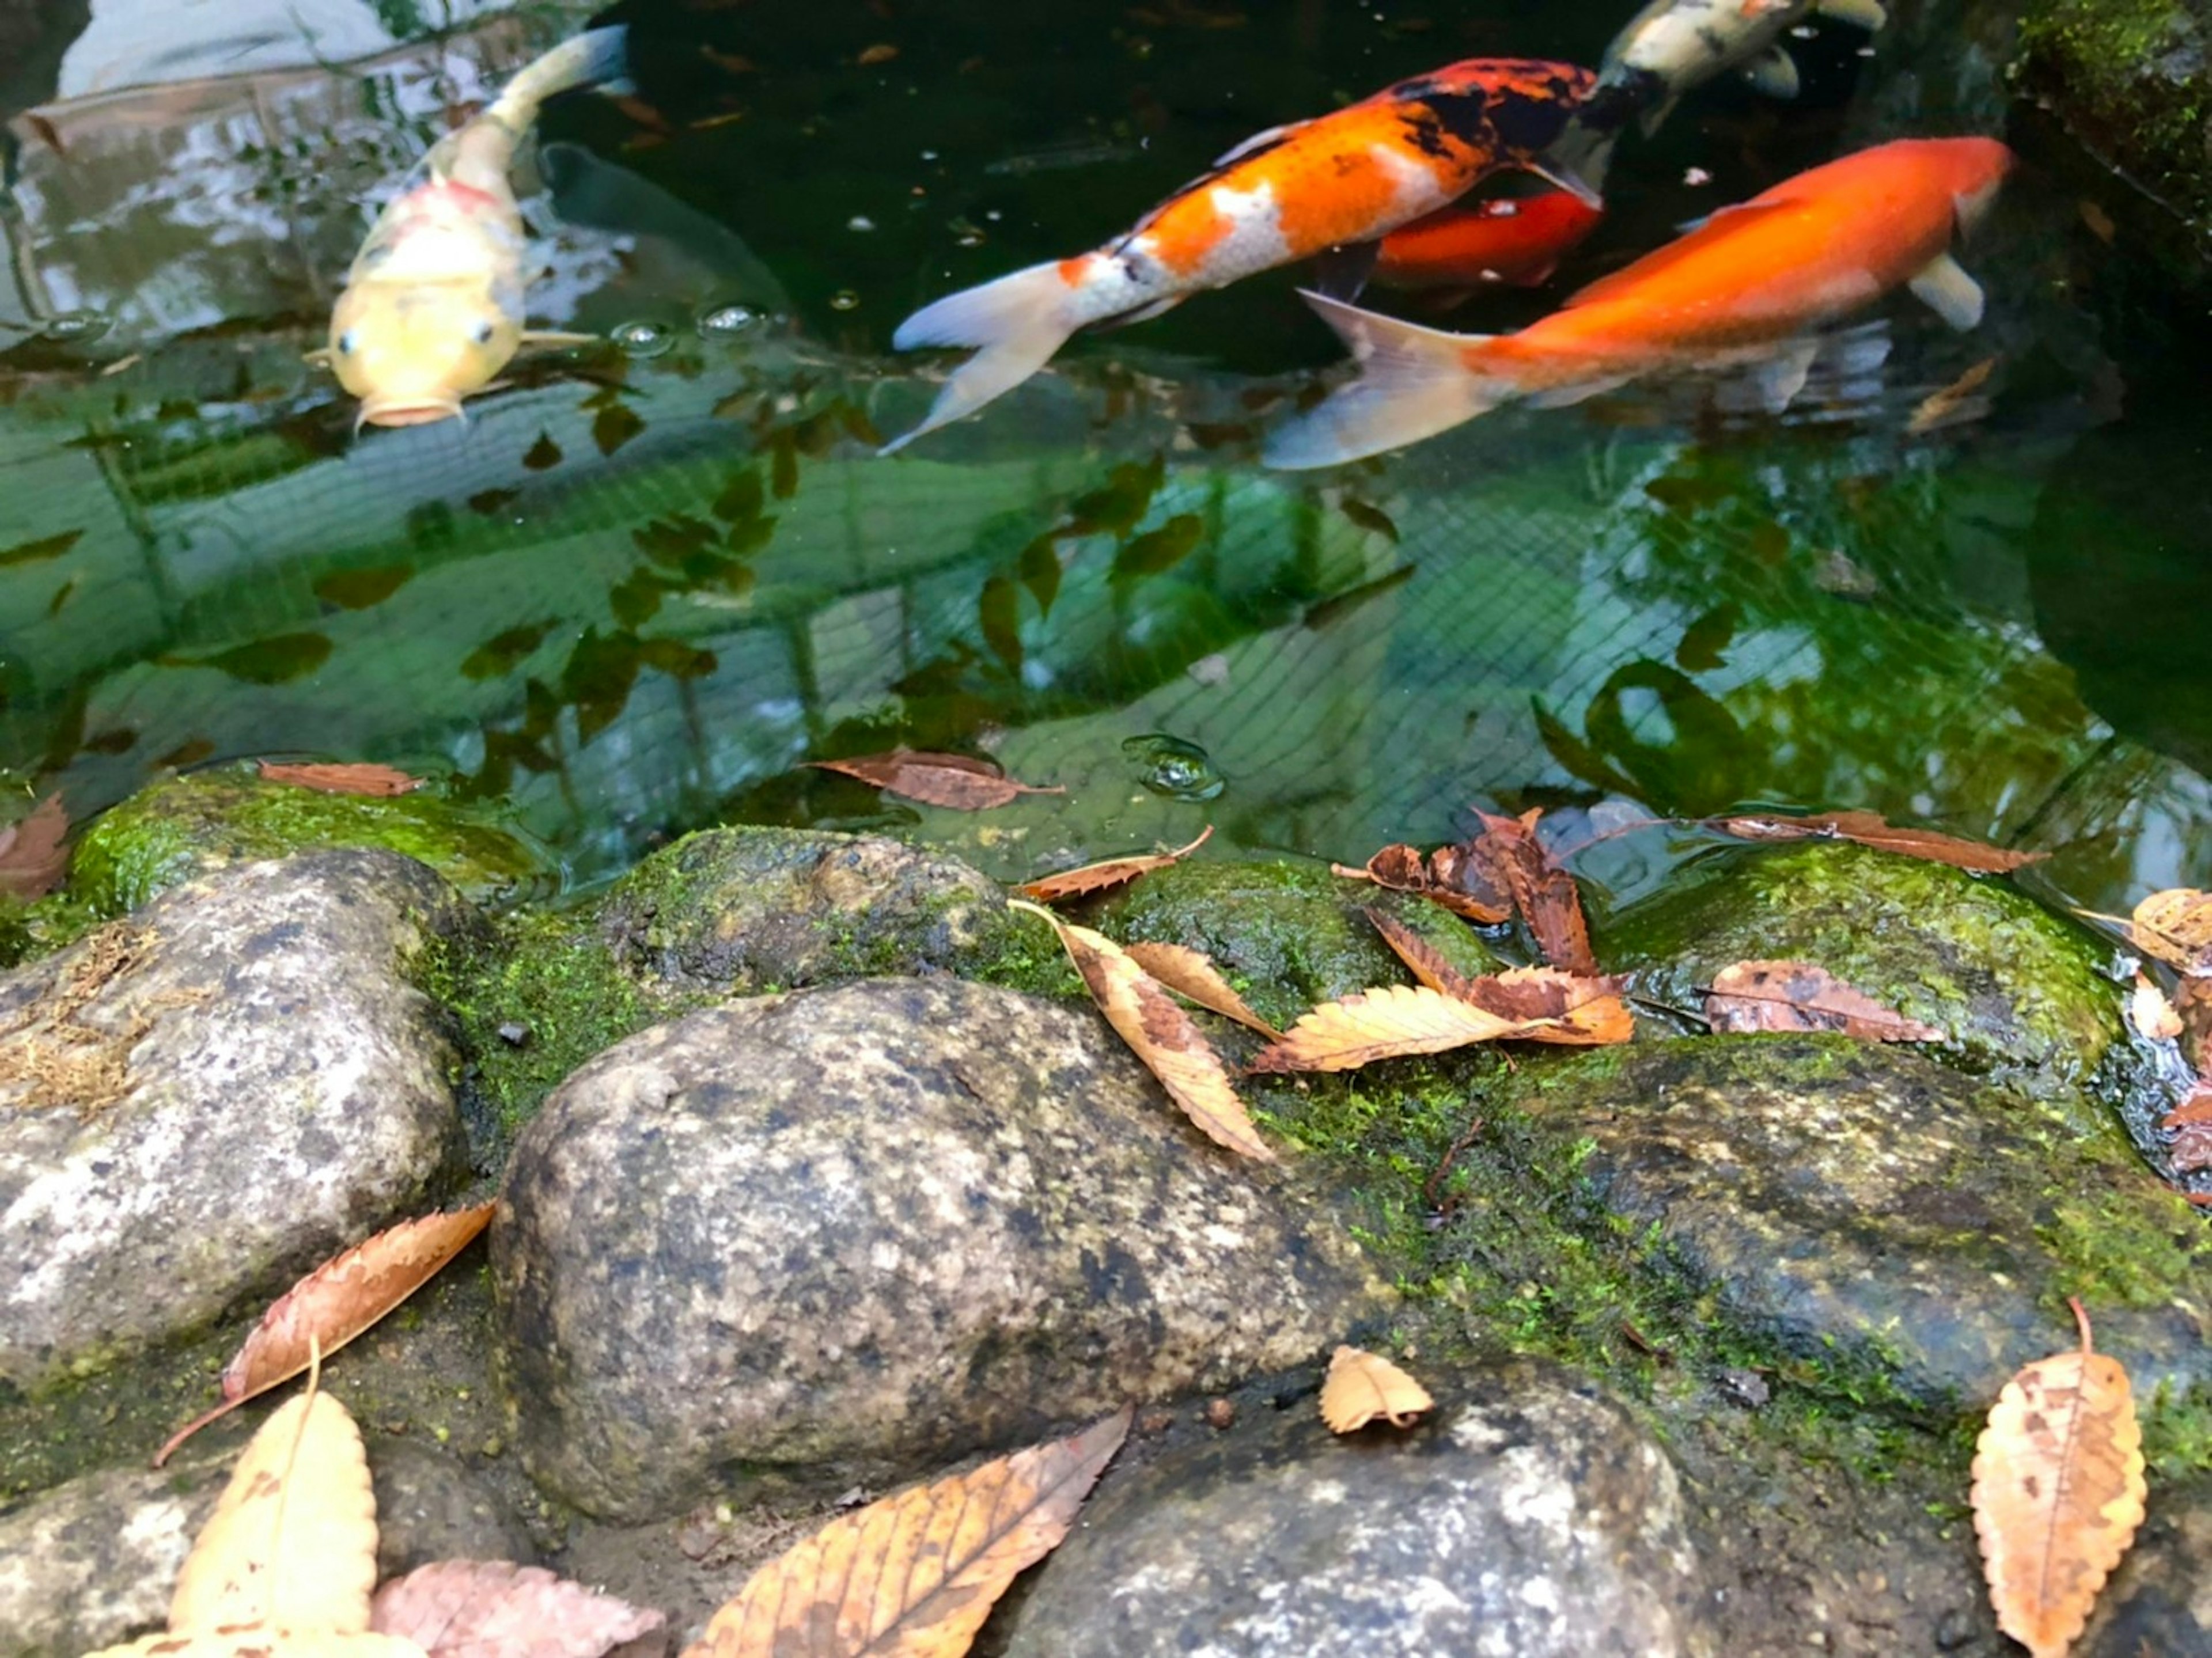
x=646, y=582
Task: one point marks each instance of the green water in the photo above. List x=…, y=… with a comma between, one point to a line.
x=641, y=587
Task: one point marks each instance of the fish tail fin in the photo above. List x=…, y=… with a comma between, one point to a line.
x=1017, y=322
x=1414, y=383
x=597, y=57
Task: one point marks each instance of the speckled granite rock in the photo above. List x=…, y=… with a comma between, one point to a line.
x=850, y=1234
x=201, y=1101
x=1526, y=1517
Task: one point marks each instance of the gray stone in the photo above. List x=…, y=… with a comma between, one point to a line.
x=850, y=1234
x=429, y=1507
x=202, y=1100
x=1526, y=1516
x=2160, y=1600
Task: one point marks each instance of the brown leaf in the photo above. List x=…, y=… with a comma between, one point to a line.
x=953, y=780
x=1422, y=959
x=2058, y=1492
x=2151, y=1014
x=1961, y=400
x=1544, y=893
x=1161, y=1034
x=1388, y=1023
x=1192, y=976
x=1799, y=996
x=497, y=1609
x=1868, y=829
x=2192, y=1004
x=1558, y=1007
x=336, y=1302
x=361, y=778
x=32, y=856
x=1463, y=879
x=1362, y=1386
x=2175, y=927
x=1112, y=872
x=915, y=1575
x=2191, y=1125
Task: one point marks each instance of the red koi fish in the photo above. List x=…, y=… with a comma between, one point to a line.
x=1516, y=240
x=1289, y=194
x=1749, y=285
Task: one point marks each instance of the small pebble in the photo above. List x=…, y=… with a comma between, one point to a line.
x=514, y=1033
x=1221, y=1414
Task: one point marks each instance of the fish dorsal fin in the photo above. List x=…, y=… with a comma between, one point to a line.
x=1258, y=144
x=1253, y=146
x=1717, y=227
x=1867, y=15
x=1948, y=291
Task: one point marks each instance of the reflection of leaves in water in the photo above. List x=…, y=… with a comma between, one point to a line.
x=121, y=740
x=190, y=752
x=1369, y=518
x=1704, y=640
x=999, y=613
x=603, y=668
x=62, y=596
x=1119, y=507
x=430, y=526
x=615, y=425
x=1701, y=766
x=492, y=502
x=1336, y=608
x=272, y=661
x=499, y=654
x=1160, y=549
x=635, y=599
x=358, y=590
x=37, y=552
x=671, y=540
x=542, y=454
x=1039, y=570
x=742, y=505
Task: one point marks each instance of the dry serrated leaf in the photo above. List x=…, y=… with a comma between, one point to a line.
x=1388, y=1023
x=1192, y=976
x=915, y=1575
x=363, y=779
x=2175, y=927
x=1363, y=1386
x=336, y=1302
x=2151, y=1014
x=1109, y=872
x=1961, y=400
x=953, y=780
x=2189, y=1123
x=1867, y=829
x=1463, y=879
x=1799, y=996
x=1422, y=959
x=1544, y=893
x=497, y=1609
x=253, y=1641
x=32, y=856
x=1567, y=1008
x=2058, y=1492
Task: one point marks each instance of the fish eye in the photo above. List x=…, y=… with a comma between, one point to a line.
x=347, y=341
x=481, y=333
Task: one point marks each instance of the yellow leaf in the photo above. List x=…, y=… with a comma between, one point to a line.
x=2175, y=927
x=1191, y=974
x=258, y=1640
x=2150, y=1013
x=915, y=1575
x=2058, y=1492
x=1385, y=1025
x=1362, y=1386
x=1113, y=872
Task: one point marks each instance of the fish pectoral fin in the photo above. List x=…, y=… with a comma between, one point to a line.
x=552, y=338
x=1341, y=272
x=1778, y=379
x=1773, y=73
x=1867, y=15
x=1562, y=177
x=1946, y=289
x=1142, y=313
x=1574, y=392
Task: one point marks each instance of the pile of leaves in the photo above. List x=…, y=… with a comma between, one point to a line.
x=2174, y=928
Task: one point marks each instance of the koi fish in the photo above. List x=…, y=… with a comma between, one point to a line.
x=1337, y=181
x=1518, y=241
x=1673, y=46
x=1749, y=285
x=433, y=306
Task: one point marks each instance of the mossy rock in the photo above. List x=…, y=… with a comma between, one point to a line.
x=193, y=825
x=2018, y=992
x=1287, y=935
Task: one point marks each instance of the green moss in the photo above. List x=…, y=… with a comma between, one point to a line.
x=2131, y=75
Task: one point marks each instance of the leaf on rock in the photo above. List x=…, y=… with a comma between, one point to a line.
x=1363, y=1386
x=362, y=778
x=1544, y=893
x=2175, y=927
x=953, y=780
x=2058, y=1492
x=1112, y=872
x=914, y=1575
x=1869, y=830
x=1799, y=996
x=1565, y=1008
x=32, y=856
x=1422, y=959
x=497, y=1609
x=2191, y=1125
x=1464, y=880
x=2151, y=1014
x=1388, y=1023
x=1192, y=976
x=255, y=1641
x=336, y=1302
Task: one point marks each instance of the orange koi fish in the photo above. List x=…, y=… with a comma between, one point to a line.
x=433, y=306
x=1749, y=285
x=1518, y=241
x=1297, y=191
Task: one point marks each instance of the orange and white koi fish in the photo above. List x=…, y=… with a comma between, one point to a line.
x=1515, y=239
x=433, y=306
x=1749, y=285
x=1336, y=181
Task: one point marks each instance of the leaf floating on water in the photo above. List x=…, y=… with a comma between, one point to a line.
x=1192, y=976
x=1110, y=872
x=31, y=855
x=915, y=1575
x=1799, y=996
x=1388, y=1023
x=2175, y=927
x=2058, y=1492
x=1363, y=1386
x=2149, y=1013
x=1959, y=401
x=275, y=660
x=39, y=551
x=952, y=780
x=336, y=1302
x=1544, y=893
x=497, y=1609
x=1869, y=830
x=1367, y=517
x=362, y=778
x=1463, y=879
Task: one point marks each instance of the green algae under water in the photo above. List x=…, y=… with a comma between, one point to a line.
x=642, y=586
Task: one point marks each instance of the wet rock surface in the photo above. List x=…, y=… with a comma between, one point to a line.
x=2160, y=1600
x=861, y=1230
x=202, y=1100
x=1527, y=1515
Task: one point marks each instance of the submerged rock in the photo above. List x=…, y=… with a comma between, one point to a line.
x=846, y=1234
x=1525, y=1516
x=200, y=1101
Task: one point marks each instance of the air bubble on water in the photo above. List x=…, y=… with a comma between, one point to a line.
x=1168, y=765
x=966, y=232
x=844, y=300
x=860, y=221
x=727, y=321
x=75, y=327
x=643, y=339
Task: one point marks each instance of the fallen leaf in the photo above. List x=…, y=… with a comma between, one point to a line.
x=914, y=1576
x=1388, y=1023
x=1362, y=1386
x=2191, y=1125
x=1565, y=1008
x=952, y=780
x=2058, y=1492
x=336, y=1302
x=2192, y=1004
x=1161, y=1034
x=1112, y=872
x=1958, y=401
x=497, y=1609
x=871, y=56
x=1422, y=959
x=1799, y=996
x=2150, y=1013
x=2175, y=927
x=1463, y=879
x=32, y=856
x=1192, y=976
x=1544, y=893
x=359, y=778
x=1869, y=830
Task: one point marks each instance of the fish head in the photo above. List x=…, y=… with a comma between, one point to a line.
x=412, y=352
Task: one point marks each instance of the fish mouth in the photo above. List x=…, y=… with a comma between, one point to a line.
x=408, y=411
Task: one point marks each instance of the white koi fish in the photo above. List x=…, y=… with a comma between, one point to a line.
x=1673, y=46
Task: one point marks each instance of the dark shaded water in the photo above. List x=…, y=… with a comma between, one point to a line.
x=646, y=582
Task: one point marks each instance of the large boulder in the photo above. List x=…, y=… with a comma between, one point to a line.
x=201, y=1101
x=847, y=1234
